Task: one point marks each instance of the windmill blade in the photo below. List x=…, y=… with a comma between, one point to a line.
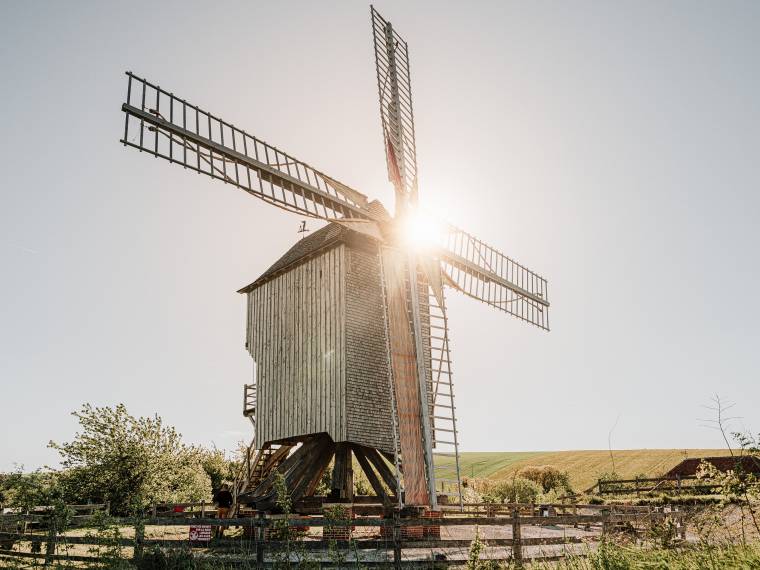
x=166, y=126
x=484, y=273
x=395, y=92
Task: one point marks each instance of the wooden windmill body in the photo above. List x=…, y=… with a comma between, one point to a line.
x=348, y=329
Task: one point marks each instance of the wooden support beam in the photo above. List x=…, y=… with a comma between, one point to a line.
x=286, y=465
x=382, y=468
x=277, y=456
x=321, y=463
x=371, y=475
x=342, y=484
x=300, y=471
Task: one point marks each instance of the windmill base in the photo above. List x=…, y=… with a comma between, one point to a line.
x=293, y=482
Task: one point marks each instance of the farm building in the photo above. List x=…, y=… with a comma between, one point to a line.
x=689, y=467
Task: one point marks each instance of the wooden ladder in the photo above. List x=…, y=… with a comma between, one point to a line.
x=441, y=404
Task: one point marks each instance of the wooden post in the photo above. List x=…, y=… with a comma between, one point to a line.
x=396, y=539
x=50, y=546
x=260, y=533
x=153, y=511
x=516, y=538
x=203, y=509
x=681, y=519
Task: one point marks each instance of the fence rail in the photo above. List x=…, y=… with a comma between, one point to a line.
x=682, y=484
x=260, y=542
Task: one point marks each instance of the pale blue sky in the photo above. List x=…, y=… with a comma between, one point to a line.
x=614, y=147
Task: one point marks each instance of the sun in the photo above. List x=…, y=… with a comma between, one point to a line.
x=420, y=231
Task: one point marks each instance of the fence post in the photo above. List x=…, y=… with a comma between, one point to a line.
x=516, y=538
x=575, y=514
x=139, y=539
x=50, y=546
x=396, y=539
x=260, y=533
x=681, y=523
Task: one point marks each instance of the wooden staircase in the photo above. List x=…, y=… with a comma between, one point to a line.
x=257, y=463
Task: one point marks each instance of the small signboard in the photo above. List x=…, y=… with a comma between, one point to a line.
x=200, y=533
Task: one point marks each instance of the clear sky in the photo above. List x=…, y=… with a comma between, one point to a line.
x=614, y=147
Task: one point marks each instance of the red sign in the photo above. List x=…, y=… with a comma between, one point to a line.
x=200, y=533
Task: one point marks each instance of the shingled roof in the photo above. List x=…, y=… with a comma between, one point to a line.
x=688, y=467
x=330, y=235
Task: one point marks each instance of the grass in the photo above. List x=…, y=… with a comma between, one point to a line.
x=482, y=464
x=584, y=466
x=700, y=556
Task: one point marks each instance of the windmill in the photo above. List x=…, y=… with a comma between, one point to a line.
x=348, y=329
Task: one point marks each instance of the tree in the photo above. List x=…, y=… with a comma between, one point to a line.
x=28, y=490
x=129, y=462
x=217, y=466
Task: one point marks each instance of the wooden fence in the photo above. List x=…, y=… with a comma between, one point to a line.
x=685, y=484
x=267, y=538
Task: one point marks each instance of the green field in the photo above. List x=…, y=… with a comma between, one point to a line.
x=584, y=467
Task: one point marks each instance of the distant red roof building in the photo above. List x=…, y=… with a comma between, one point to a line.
x=688, y=467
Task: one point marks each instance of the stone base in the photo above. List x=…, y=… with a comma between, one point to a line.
x=432, y=532
x=416, y=532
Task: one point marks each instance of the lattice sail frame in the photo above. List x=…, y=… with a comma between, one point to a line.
x=486, y=274
x=396, y=112
x=158, y=122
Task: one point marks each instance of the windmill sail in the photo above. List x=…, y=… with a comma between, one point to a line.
x=484, y=273
x=395, y=91
x=166, y=126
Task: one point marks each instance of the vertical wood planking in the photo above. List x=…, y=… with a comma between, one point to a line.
x=296, y=335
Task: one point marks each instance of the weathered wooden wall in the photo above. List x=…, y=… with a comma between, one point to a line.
x=296, y=335
x=368, y=403
x=318, y=337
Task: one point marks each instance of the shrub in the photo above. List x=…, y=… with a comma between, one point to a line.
x=167, y=559
x=549, y=478
x=27, y=490
x=515, y=490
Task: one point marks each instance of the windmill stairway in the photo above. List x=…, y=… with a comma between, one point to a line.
x=257, y=464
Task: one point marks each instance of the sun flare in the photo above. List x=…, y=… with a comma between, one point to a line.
x=421, y=231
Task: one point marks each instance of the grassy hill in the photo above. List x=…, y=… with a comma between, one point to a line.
x=584, y=467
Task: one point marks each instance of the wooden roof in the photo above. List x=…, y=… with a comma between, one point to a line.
x=688, y=467
x=322, y=239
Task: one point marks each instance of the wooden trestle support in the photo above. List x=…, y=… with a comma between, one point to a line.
x=303, y=469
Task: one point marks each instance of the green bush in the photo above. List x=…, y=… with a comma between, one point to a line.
x=515, y=490
x=167, y=559
x=549, y=478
